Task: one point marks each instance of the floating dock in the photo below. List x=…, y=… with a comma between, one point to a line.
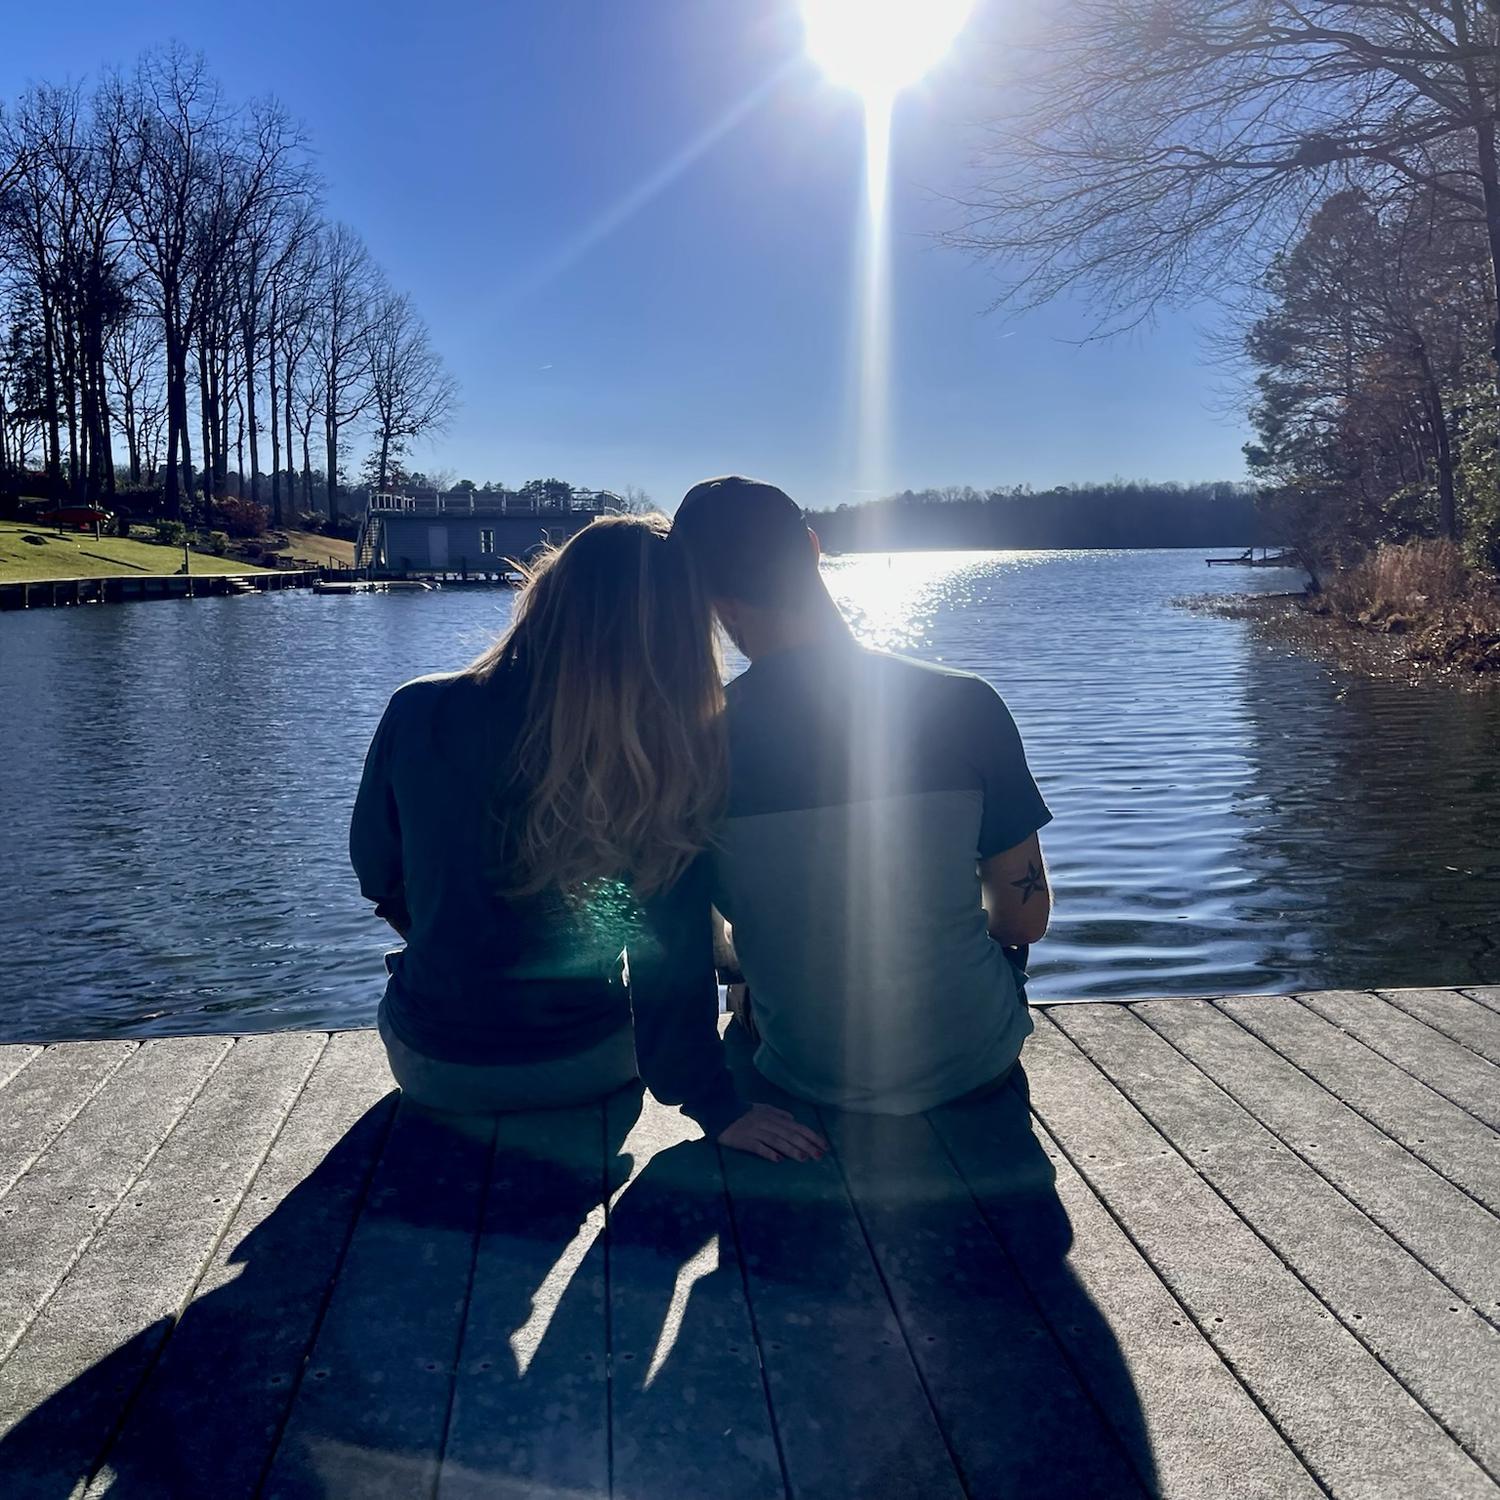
x=1239, y=1247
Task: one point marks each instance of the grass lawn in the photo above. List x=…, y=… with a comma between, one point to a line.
x=319, y=551
x=76, y=555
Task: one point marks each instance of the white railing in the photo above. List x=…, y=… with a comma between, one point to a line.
x=492, y=503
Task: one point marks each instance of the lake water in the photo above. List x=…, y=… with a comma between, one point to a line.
x=178, y=776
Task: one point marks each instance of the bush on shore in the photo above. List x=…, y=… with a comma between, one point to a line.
x=1426, y=591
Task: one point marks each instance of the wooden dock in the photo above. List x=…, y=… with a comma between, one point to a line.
x=1243, y=1247
x=58, y=593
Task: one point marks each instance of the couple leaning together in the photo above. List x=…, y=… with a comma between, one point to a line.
x=560, y=830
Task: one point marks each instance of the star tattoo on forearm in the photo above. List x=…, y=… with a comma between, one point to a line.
x=1031, y=882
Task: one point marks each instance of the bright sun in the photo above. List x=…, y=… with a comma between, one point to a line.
x=879, y=47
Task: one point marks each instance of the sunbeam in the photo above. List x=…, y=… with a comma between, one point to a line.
x=629, y=204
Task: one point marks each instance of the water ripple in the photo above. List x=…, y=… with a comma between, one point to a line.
x=1229, y=817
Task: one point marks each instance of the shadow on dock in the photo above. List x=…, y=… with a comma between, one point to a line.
x=585, y=1303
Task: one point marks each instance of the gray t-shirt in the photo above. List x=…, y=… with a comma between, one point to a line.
x=865, y=789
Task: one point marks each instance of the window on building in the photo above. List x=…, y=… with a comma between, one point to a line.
x=487, y=540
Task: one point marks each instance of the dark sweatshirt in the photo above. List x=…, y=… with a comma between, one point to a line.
x=489, y=979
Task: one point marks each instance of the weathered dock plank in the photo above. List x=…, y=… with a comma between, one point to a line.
x=39, y=1100
x=1451, y=1233
x=208, y=1418
x=851, y=1414
x=52, y=1213
x=1449, y=1139
x=688, y=1408
x=1229, y=1251
x=13, y=1057
x=1434, y=1344
x=71, y=1379
x=1458, y=1017
x=1446, y=1066
x=530, y=1411
x=1352, y=1424
x=973, y=1328
x=1169, y=1397
x=370, y=1412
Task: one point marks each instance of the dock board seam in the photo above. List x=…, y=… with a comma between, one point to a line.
x=84, y=1104
x=1373, y=1123
x=32, y=1054
x=1292, y=1270
x=83, y=1248
x=174, y=1318
x=891, y=1302
x=1312, y=1164
x=760, y=1359
x=1140, y=1250
x=295, y=1385
x=1448, y=1036
x=1038, y=1307
x=1474, y=995
x=1395, y=1062
x=468, y=1299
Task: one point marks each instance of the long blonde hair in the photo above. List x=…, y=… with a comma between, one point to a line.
x=619, y=759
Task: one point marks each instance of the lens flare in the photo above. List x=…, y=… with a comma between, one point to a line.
x=879, y=47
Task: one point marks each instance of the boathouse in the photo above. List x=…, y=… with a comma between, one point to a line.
x=469, y=532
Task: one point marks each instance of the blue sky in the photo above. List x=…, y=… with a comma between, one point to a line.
x=494, y=155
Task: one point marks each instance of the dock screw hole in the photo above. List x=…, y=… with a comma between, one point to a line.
x=627, y=1356
x=1218, y=1320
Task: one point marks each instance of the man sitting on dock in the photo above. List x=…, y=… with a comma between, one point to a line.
x=879, y=863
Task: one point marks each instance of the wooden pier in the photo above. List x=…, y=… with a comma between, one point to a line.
x=54, y=593
x=1242, y=1247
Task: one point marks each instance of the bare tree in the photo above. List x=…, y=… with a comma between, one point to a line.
x=1156, y=151
x=162, y=264
x=411, y=395
x=348, y=300
x=133, y=358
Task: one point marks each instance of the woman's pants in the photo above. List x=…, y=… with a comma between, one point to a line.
x=552, y=1083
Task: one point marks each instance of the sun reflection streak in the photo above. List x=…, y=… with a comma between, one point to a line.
x=873, y=357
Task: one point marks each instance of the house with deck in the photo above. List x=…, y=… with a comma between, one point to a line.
x=469, y=533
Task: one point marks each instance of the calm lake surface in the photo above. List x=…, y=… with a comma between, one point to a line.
x=178, y=777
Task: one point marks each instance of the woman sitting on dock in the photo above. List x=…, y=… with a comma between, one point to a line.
x=525, y=821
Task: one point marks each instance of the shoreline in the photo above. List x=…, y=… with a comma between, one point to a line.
x=1409, y=656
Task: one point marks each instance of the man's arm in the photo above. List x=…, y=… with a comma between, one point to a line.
x=1017, y=897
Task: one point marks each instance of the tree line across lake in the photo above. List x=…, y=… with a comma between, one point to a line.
x=172, y=293
x=1120, y=513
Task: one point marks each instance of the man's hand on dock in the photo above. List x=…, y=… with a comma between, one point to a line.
x=764, y=1130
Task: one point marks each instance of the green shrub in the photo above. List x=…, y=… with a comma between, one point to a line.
x=171, y=533
x=217, y=542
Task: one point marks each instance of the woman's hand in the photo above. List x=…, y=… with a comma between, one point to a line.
x=764, y=1130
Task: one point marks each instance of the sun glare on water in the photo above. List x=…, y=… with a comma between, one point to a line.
x=877, y=48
